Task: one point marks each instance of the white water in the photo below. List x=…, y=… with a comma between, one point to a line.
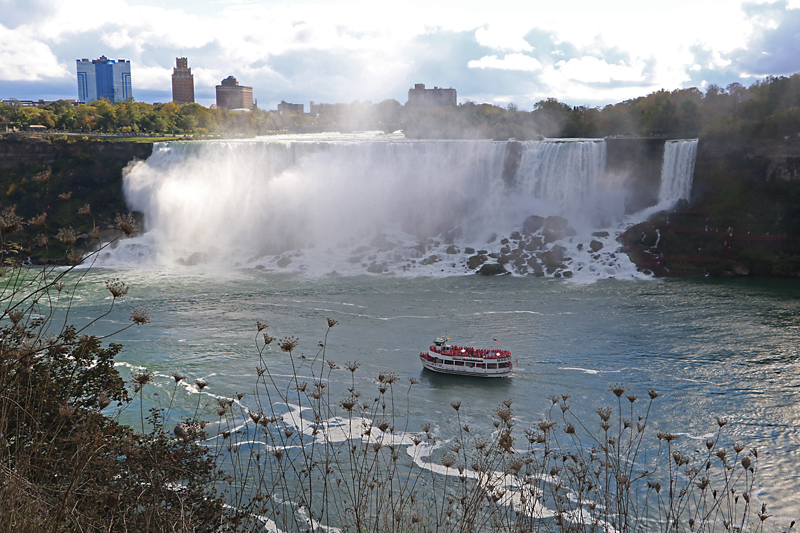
x=677, y=171
x=377, y=203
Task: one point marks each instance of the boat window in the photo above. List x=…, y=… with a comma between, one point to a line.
x=481, y=365
x=459, y=363
x=448, y=362
x=437, y=360
x=471, y=365
x=491, y=365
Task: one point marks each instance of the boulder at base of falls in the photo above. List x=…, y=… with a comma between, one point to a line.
x=475, y=261
x=194, y=259
x=556, y=223
x=283, y=262
x=469, y=250
x=376, y=268
x=600, y=234
x=492, y=269
x=452, y=250
x=534, y=244
x=532, y=224
x=596, y=246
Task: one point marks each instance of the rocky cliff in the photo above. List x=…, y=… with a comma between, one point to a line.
x=59, y=176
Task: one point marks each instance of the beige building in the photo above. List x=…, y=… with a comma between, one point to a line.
x=182, y=82
x=419, y=96
x=231, y=95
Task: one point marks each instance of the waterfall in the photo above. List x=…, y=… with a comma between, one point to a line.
x=677, y=171
x=375, y=203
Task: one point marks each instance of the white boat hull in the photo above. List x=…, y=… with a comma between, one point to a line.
x=452, y=366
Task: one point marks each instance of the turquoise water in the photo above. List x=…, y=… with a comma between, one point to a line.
x=711, y=348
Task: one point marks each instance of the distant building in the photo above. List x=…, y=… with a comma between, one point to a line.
x=285, y=108
x=35, y=103
x=231, y=95
x=325, y=110
x=104, y=78
x=182, y=82
x=419, y=96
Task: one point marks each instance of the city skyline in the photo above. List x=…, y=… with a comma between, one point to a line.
x=580, y=52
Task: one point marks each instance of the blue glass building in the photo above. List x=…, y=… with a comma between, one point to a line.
x=104, y=78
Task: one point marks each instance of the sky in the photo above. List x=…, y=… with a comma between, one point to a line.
x=582, y=52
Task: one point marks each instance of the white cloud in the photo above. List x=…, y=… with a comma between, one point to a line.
x=502, y=38
x=509, y=62
x=23, y=57
x=589, y=69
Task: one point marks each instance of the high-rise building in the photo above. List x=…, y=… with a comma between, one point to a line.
x=231, y=95
x=104, y=78
x=419, y=96
x=182, y=82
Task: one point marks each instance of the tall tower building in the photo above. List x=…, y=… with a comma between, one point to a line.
x=104, y=78
x=182, y=82
x=231, y=95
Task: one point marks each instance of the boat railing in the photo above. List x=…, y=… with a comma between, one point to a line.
x=459, y=351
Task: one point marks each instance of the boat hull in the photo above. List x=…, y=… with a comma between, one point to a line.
x=451, y=368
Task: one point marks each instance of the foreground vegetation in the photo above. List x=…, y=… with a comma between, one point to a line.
x=769, y=108
x=286, y=455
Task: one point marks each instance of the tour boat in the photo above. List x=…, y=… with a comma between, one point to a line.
x=466, y=361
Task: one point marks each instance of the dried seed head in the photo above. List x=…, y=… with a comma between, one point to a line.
x=288, y=344
x=721, y=422
x=15, y=315
x=95, y=233
x=570, y=429
x=143, y=378
x=448, y=459
x=746, y=462
x=66, y=410
x=42, y=177
x=331, y=322
x=332, y=365
x=116, y=287
x=127, y=224
x=140, y=315
x=66, y=236
x=348, y=403
x=200, y=384
x=618, y=390
x=40, y=240
x=387, y=377
x=653, y=394
x=65, y=195
x=38, y=220
x=268, y=339
x=177, y=377
x=738, y=447
x=631, y=397
x=709, y=443
x=455, y=405
x=85, y=210
x=413, y=381
x=9, y=220
x=352, y=366
x=604, y=413
x=260, y=326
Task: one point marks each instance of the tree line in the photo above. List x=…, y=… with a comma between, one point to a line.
x=769, y=108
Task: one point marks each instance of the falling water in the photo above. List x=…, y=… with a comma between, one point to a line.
x=376, y=203
x=677, y=171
